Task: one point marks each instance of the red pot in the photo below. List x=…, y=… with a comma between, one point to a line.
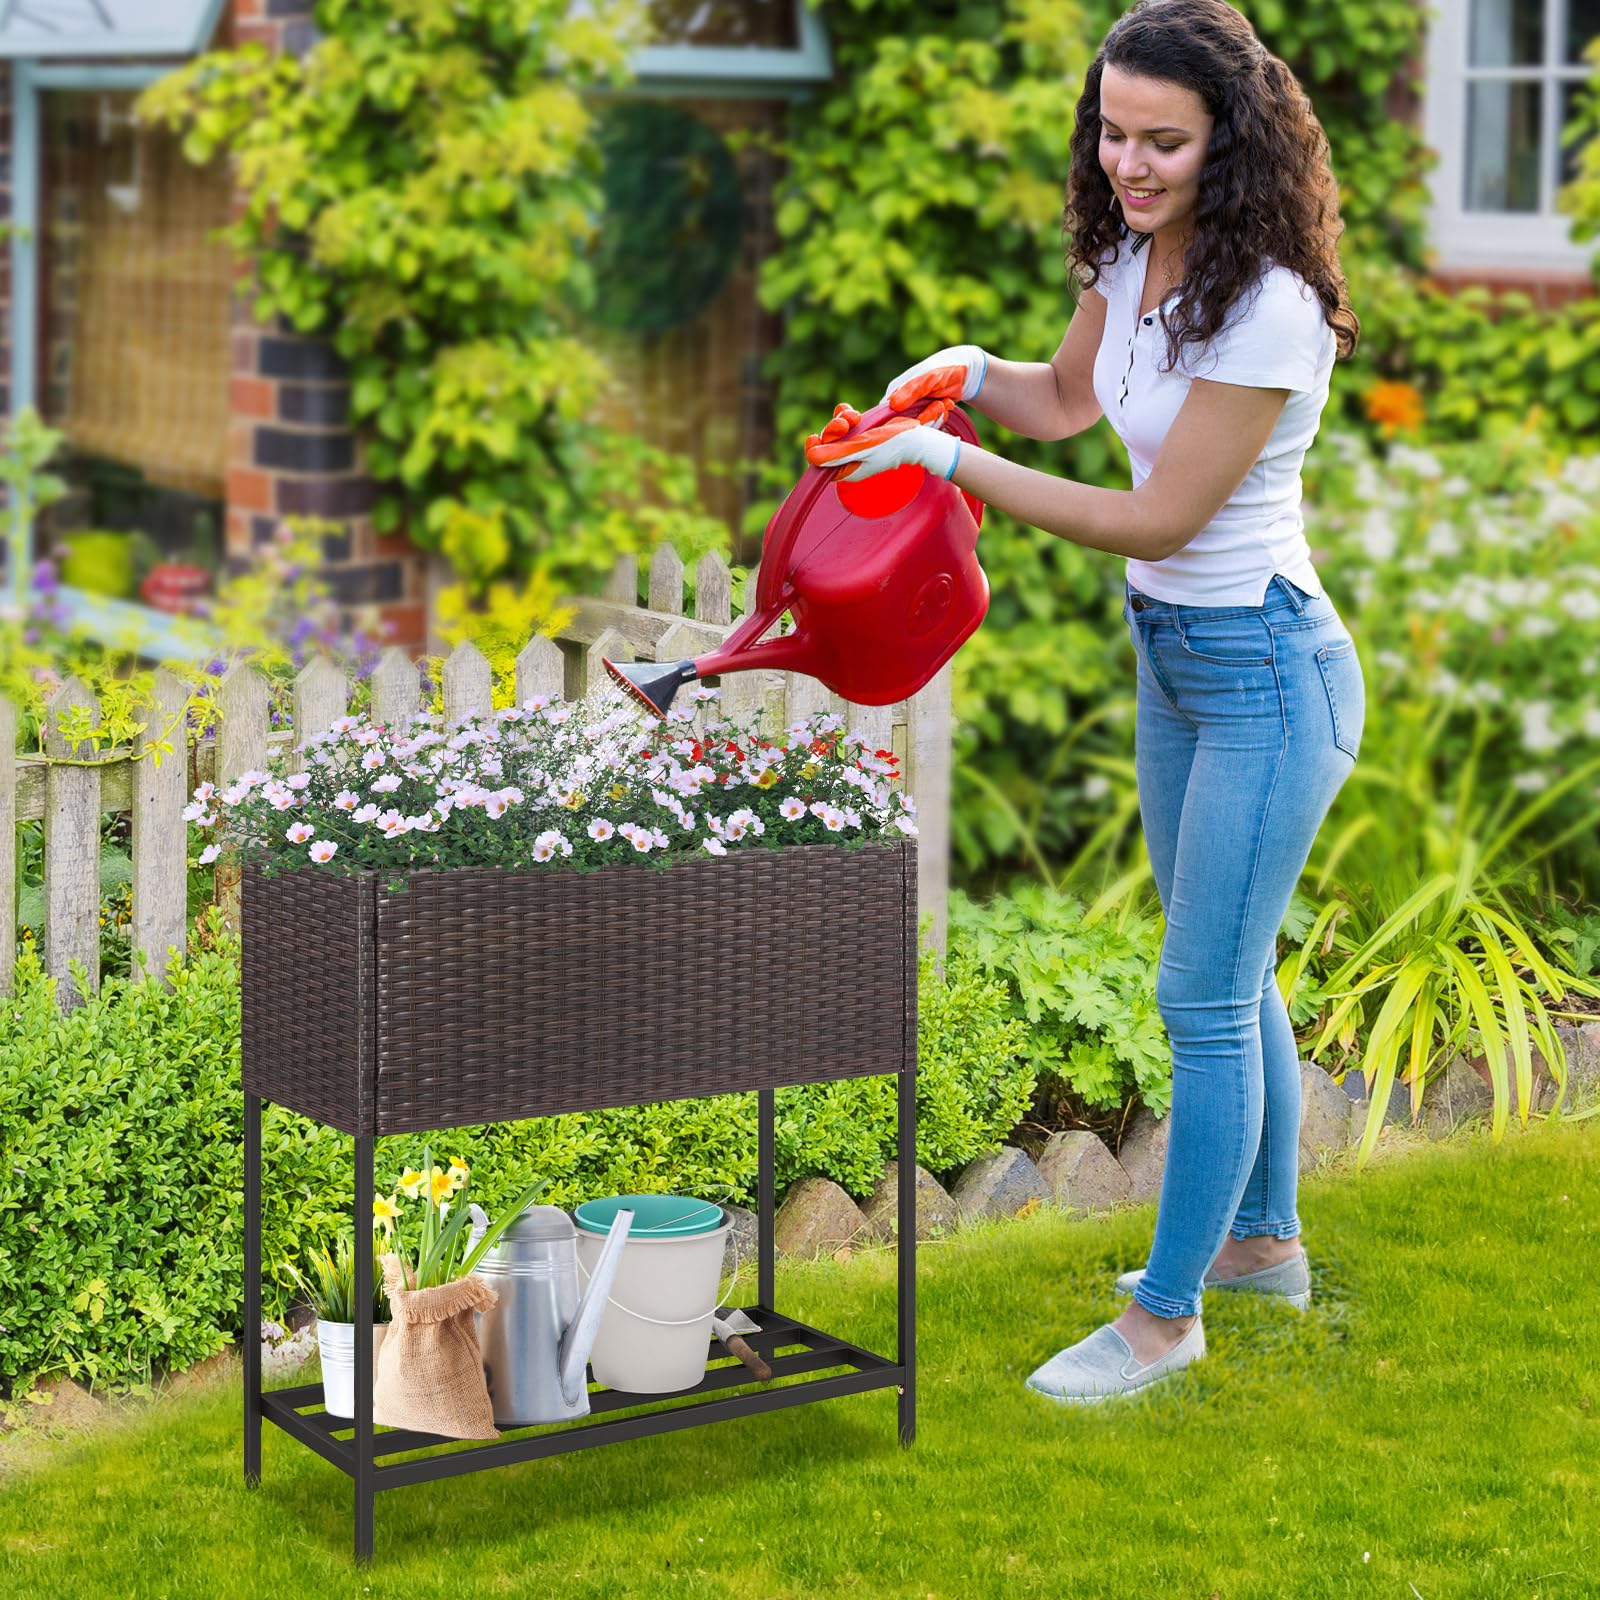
x=175, y=586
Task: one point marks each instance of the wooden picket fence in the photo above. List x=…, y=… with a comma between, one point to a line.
x=70, y=792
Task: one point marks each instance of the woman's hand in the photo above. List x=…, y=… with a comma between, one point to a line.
x=956, y=373
x=896, y=443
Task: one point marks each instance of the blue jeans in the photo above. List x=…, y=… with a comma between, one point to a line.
x=1249, y=721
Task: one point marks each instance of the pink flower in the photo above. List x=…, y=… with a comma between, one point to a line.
x=299, y=833
x=323, y=850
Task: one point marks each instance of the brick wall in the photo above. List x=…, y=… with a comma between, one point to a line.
x=291, y=449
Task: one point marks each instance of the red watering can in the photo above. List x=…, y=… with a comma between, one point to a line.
x=881, y=578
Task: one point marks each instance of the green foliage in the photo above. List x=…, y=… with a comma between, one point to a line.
x=424, y=187
x=121, y=1168
x=1082, y=987
x=326, y=1279
x=120, y=1172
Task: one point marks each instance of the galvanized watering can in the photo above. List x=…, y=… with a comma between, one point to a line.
x=537, y=1337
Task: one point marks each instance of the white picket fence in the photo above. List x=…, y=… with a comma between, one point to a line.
x=70, y=792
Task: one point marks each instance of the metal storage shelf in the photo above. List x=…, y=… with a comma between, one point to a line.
x=806, y=1370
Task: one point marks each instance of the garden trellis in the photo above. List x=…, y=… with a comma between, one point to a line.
x=70, y=788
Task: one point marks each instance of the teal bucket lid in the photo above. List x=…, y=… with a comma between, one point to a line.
x=655, y=1216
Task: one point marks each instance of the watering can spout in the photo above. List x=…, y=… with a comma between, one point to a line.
x=577, y=1342
x=652, y=683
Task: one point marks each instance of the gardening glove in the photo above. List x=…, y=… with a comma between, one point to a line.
x=899, y=442
x=956, y=373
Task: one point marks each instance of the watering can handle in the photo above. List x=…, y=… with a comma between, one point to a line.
x=790, y=517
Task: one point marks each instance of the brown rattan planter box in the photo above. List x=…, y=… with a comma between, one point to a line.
x=473, y=995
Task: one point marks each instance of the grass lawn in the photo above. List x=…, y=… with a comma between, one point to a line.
x=1431, y=1428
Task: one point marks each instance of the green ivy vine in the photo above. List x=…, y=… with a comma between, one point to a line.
x=423, y=186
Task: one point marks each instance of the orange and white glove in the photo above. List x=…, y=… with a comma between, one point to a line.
x=899, y=442
x=956, y=373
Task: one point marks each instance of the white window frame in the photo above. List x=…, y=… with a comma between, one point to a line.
x=1502, y=239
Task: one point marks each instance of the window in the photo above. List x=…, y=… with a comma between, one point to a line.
x=134, y=301
x=1502, y=82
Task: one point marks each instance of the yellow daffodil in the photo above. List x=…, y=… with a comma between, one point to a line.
x=384, y=1212
x=810, y=770
x=619, y=791
x=458, y=1165
x=410, y=1183
x=767, y=778
x=575, y=800
x=443, y=1186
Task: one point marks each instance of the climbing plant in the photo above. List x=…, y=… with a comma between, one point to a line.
x=423, y=186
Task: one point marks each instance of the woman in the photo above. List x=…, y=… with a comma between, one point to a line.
x=1203, y=218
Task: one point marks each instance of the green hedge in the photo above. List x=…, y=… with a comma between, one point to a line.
x=121, y=1166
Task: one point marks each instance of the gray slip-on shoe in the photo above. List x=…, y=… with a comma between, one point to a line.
x=1103, y=1366
x=1290, y=1279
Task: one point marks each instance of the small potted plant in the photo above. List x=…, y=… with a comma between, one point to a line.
x=328, y=1283
x=431, y=1376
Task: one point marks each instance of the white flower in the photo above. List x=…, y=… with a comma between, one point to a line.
x=1530, y=782
x=833, y=819
x=642, y=841
x=600, y=829
x=210, y=854
x=205, y=791
x=387, y=784
x=344, y=724
x=367, y=736
x=299, y=780
x=299, y=833
x=496, y=805
x=364, y=813
x=543, y=849
x=1538, y=736
x=1581, y=604
x=372, y=760
x=790, y=808
x=905, y=824
x=1591, y=723
x=323, y=850
x=1096, y=786
x=194, y=812
x=716, y=847
x=282, y=802
x=346, y=800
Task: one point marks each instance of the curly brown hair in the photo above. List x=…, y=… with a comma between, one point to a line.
x=1266, y=192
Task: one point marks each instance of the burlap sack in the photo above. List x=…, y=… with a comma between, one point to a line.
x=430, y=1369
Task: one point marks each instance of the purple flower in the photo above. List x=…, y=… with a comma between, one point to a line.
x=44, y=576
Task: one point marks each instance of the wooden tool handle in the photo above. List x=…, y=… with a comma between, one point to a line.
x=735, y=1346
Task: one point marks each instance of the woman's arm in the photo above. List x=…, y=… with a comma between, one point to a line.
x=1049, y=399
x=1214, y=440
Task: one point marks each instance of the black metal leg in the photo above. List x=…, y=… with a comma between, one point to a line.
x=906, y=1247
x=252, y=1291
x=766, y=1160
x=366, y=1472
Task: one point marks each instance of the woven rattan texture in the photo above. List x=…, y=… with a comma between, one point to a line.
x=307, y=985
x=482, y=996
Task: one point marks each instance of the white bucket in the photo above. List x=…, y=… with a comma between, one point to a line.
x=655, y=1336
x=336, y=1345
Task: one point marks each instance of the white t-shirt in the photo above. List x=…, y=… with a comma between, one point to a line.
x=1274, y=337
